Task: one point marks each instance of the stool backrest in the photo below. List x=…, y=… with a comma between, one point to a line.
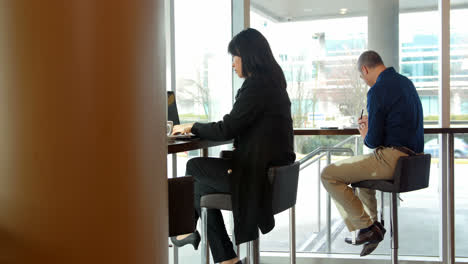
x=412, y=173
x=284, y=182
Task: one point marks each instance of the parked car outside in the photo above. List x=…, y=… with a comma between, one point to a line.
x=433, y=145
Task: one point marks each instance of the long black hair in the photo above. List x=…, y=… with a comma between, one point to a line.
x=256, y=55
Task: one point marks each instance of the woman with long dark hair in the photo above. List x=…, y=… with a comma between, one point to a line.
x=261, y=125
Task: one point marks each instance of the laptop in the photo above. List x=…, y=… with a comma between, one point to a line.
x=173, y=115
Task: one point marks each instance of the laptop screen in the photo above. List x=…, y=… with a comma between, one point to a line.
x=172, y=113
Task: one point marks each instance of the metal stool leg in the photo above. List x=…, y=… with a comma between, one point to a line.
x=236, y=248
x=382, y=221
x=394, y=228
x=205, y=249
x=292, y=234
x=253, y=252
x=354, y=233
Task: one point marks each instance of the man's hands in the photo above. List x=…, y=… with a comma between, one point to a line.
x=182, y=129
x=362, y=122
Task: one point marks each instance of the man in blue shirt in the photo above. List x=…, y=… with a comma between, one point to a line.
x=394, y=128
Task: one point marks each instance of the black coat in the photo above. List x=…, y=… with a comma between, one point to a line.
x=261, y=125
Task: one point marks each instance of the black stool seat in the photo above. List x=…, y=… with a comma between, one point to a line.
x=411, y=174
x=220, y=201
x=284, y=188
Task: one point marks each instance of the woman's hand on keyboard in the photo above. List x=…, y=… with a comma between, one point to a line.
x=182, y=129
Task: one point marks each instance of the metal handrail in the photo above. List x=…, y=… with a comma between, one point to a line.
x=319, y=150
x=346, y=140
x=335, y=149
x=309, y=160
x=322, y=151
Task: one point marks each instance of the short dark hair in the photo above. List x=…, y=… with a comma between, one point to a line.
x=256, y=55
x=370, y=59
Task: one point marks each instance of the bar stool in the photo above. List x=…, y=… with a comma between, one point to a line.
x=411, y=174
x=284, y=180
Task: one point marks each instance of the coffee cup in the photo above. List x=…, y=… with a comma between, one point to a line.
x=169, y=127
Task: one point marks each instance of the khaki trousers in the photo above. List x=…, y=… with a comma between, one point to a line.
x=359, y=211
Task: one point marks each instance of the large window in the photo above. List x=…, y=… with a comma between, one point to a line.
x=420, y=211
x=459, y=66
x=319, y=61
x=419, y=57
x=459, y=117
x=318, y=58
x=203, y=74
x=203, y=66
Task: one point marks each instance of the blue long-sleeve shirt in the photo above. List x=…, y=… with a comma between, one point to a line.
x=395, y=113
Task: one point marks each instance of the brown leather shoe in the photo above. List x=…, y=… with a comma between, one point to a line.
x=374, y=235
x=349, y=240
x=368, y=248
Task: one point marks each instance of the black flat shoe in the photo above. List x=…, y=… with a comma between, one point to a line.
x=193, y=239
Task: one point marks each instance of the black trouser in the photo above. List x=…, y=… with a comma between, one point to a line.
x=211, y=176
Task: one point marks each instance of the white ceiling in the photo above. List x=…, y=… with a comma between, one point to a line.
x=294, y=10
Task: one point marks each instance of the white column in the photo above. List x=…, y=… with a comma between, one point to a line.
x=240, y=21
x=82, y=139
x=446, y=233
x=240, y=15
x=444, y=64
x=170, y=46
x=383, y=30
